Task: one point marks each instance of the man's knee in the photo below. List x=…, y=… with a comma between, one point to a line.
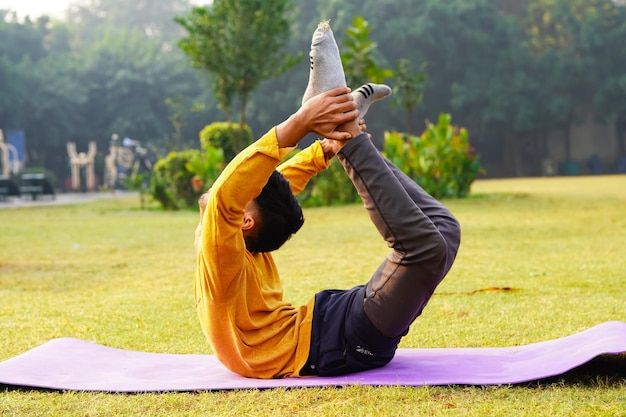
x=428, y=249
x=453, y=235
x=451, y=232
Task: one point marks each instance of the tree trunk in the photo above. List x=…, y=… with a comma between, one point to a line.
x=242, y=123
x=568, y=142
x=620, y=129
x=512, y=157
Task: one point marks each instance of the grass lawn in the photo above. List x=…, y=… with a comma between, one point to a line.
x=540, y=259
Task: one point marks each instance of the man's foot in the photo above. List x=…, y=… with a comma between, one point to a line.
x=326, y=68
x=368, y=94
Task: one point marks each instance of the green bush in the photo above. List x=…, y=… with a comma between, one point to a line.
x=181, y=177
x=171, y=183
x=205, y=166
x=229, y=137
x=441, y=160
x=328, y=188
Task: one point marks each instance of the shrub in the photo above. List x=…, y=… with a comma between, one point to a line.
x=329, y=187
x=179, y=178
x=441, y=160
x=170, y=184
x=229, y=137
x=205, y=167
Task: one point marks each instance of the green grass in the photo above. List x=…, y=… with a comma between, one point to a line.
x=540, y=259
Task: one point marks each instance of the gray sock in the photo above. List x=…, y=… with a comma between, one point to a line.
x=326, y=69
x=367, y=94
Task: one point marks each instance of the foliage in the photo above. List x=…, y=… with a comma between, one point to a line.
x=42, y=91
x=229, y=137
x=206, y=167
x=178, y=179
x=408, y=91
x=140, y=182
x=517, y=74
x=137, y=182
x=91, y=75
x=329, y=188
x=153, y=19
x=178, y=115
x=171, y=183
x=357, y=56
x=441, y=160
x=239, y=43
x=128, y=96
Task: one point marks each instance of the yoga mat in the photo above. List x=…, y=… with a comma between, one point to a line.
x=72, y=364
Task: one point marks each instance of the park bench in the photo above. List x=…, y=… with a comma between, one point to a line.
x=8, y=188
x=35, y=185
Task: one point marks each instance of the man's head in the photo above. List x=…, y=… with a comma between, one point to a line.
x=277, y=216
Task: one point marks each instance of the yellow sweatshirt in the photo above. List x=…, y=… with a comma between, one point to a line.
x=239, y=296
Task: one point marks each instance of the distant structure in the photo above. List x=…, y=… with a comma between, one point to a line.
x=10, y=161
x=82, y=160
x=110, y=164
x=126, y=159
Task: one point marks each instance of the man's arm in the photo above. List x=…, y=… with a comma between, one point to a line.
x=219, y=238
x=299, y=169
x=312, y=160
x=320, y=115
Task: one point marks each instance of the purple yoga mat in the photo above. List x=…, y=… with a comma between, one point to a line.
x=72, y=364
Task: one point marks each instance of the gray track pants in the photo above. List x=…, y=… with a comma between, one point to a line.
x=423, y=234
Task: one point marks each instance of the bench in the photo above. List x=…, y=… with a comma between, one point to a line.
x=36, y=185
x=8, y=188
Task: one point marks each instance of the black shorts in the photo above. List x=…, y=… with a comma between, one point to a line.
x=343, y=339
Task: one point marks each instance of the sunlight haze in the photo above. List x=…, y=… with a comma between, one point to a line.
x=55, y=8
x=36, y=8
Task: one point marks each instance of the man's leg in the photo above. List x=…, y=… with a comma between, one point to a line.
x=368, y=94
x=326, y=71
x=424, y=239
x=445, y=222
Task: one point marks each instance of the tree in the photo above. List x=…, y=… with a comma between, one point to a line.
x=42, y=92
x=409, y=88
x=153, y=19
x=358, y=56
x=129, y=80
x=609, y=98
x=239, y=43
x=576, y=44
x=59, y=87
x=179, y=112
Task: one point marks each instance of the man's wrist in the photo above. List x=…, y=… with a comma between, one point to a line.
x=290, y=131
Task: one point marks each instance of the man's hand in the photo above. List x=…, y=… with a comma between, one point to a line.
x=202, y=202
x=324, y=112
x=330, y=148
x=363, y=127
x=320, y=115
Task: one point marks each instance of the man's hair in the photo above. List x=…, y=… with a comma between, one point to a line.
x=279, y=215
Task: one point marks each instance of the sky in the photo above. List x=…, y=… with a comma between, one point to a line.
x=36, y=8
x=54, y=8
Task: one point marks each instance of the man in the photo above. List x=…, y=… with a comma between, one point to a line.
x=238, y=292
x=239, y=297
x=251, y=210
